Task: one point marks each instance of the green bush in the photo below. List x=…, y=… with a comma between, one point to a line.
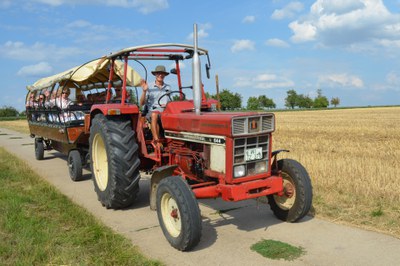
x=8, y=111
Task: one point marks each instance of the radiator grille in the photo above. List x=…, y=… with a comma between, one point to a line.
x=238, y=126
x=246, y=143
x=253, y=124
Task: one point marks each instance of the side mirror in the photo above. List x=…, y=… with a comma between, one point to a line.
x=173, y=71
x=208, y=71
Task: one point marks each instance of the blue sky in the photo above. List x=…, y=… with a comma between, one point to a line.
x=348, y=48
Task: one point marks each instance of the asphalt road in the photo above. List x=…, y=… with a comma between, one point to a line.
x=229, y=229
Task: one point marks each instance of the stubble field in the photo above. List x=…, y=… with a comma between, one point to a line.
x=352, y=156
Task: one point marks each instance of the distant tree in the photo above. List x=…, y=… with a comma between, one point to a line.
x=8, y=111
x=335, y=101
x=253, y=103
x=292, y=99
x=211, y=96
x=175, y=97
x=265, y=102
x=304, y=101
x=230, y=101
x=320, y=101
x=262, y=102
x=132, y=96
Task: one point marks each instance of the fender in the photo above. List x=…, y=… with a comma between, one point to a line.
x=156, y=177
x=116, y=109
x=274, y=165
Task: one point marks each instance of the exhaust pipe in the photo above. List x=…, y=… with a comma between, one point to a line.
x=196, y=74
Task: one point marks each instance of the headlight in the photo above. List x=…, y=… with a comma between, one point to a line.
x=261, y=167
x=239, y=171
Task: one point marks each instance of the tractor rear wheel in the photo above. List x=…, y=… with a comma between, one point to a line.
x=114, y=161
x=178, y=213
x=297, y=199
x=39, y=149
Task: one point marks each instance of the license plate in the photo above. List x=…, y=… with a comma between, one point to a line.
x=253, y=154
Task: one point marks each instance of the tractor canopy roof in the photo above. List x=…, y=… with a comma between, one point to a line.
x=166, y=51
x=97, y=71
x=93, y=72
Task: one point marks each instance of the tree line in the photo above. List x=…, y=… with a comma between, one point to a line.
x=304, y=101
x=232, y=101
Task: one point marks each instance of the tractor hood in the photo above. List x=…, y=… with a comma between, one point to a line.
x=212, y=123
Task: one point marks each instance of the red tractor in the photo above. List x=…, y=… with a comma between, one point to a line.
x=205, y=153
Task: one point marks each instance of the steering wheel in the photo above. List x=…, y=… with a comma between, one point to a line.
x=168, y=94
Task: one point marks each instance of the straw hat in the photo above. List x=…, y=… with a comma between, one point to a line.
x=159, y=69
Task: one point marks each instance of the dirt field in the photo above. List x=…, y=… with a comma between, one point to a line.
x=352, y=156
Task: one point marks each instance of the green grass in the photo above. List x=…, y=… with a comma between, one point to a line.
x=277, y=250
x=22, y=117
x=40, y=226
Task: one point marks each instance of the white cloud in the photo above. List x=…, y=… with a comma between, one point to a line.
x=51, y=2
x=393, y=78
x=242, y=45
x=36, y=52
x=201, y=31
x=82, y=31
x=277, y=43
x=348, y=23
x=263, y=81
x=38, y=70
x=5, y=3
x=343, y=80
x=249, y=19
x=144, y=6
x=303, y=32
x=288, y=11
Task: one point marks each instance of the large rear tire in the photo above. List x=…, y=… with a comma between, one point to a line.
x=178, y=213
x=114, y=161
x=297, y=199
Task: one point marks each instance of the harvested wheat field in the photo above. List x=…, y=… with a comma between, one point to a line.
x=353, y=158
x=17, y=125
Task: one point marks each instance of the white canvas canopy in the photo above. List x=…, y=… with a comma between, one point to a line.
x=93, y=72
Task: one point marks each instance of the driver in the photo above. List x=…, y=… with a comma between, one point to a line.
x=150, y=98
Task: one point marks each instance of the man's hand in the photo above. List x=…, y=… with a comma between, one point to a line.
x=144, y=85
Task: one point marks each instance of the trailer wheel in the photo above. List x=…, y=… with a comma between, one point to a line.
x=297, y=199
x=114, y=161
x=75, y=165
x=39, y=149
x=178, y=213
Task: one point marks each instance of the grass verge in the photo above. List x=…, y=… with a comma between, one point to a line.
x=277, y=250
x=40, y=226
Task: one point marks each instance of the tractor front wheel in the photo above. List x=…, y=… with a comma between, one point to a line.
x=178, y=213
x=296, y=200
